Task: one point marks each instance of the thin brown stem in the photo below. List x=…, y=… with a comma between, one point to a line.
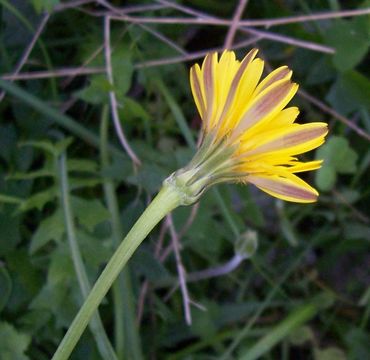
x=180, y=269
x=234, y=24
x=28, y=49
x=192, y=56
x=258, y=33
x=112, y=96
x=78, y=71
x=322, y=106
x=289, y=40
x=225, y=22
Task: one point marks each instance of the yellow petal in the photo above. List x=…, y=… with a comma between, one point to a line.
x=224, y=116
x=293, y=140
x=266, y=105
x=306, y=166
x=281, y=73
x=286, y=189
x=196, y=89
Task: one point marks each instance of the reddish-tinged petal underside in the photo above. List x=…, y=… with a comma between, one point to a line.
x=236, y=81
x=266, y=105
x=281, y=73
x=294, y=139
x=196, y=89
x=293, y=189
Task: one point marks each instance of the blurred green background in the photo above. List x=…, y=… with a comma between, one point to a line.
x=303, y=294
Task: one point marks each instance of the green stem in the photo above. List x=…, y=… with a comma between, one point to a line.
x=297, y=318
x=96, y=325
x=127, y=340
x=166, y=200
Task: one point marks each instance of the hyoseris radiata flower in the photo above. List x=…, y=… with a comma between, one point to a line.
x=248, y=133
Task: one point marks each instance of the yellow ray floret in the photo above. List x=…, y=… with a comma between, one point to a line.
x=241, y=112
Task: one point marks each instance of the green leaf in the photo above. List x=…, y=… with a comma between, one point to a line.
x=31, y=174
x=39, y=200
x=122, y=69
x=301, y=336
x=286, y=327
x=52, y=228
x=54, y=149
x=330, y=353
x=82, y=165
x=10, y=199
x=351, y=40
x=134, y=110
x=44, y=5
x=338, y=158
x=8, y=140
x=5, y=287
x=325, y=178
x=94, y=250
x=13, y=343
x=97, y=91
x=10, y=232
x=78, y=183
x=338, y=153
x=350, y=93
x=61, y=268
x=89, y=212
x=358, y=341
x=146, y=264
x=149, y=176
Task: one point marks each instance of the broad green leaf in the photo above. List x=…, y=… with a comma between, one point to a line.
x=351, y=92
x=97, y=90
x=10, y=232
x=122, y=69
x=89, y=212
x=351, y=40
x=150, y=176
x=5, y=287
x=338, y=158
x=95, y=251
x=337, y=153
x=146, y=264
x=13, y=343
x=61, y=268
x=325, y=178
x=133, y=110
x=51, y=228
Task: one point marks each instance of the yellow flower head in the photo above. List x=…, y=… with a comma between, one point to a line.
x=248, y=134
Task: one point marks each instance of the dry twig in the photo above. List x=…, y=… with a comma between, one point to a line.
x=112, y=96
x=234, y=25
x=28, y=49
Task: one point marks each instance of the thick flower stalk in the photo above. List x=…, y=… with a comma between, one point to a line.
x=248, y=135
